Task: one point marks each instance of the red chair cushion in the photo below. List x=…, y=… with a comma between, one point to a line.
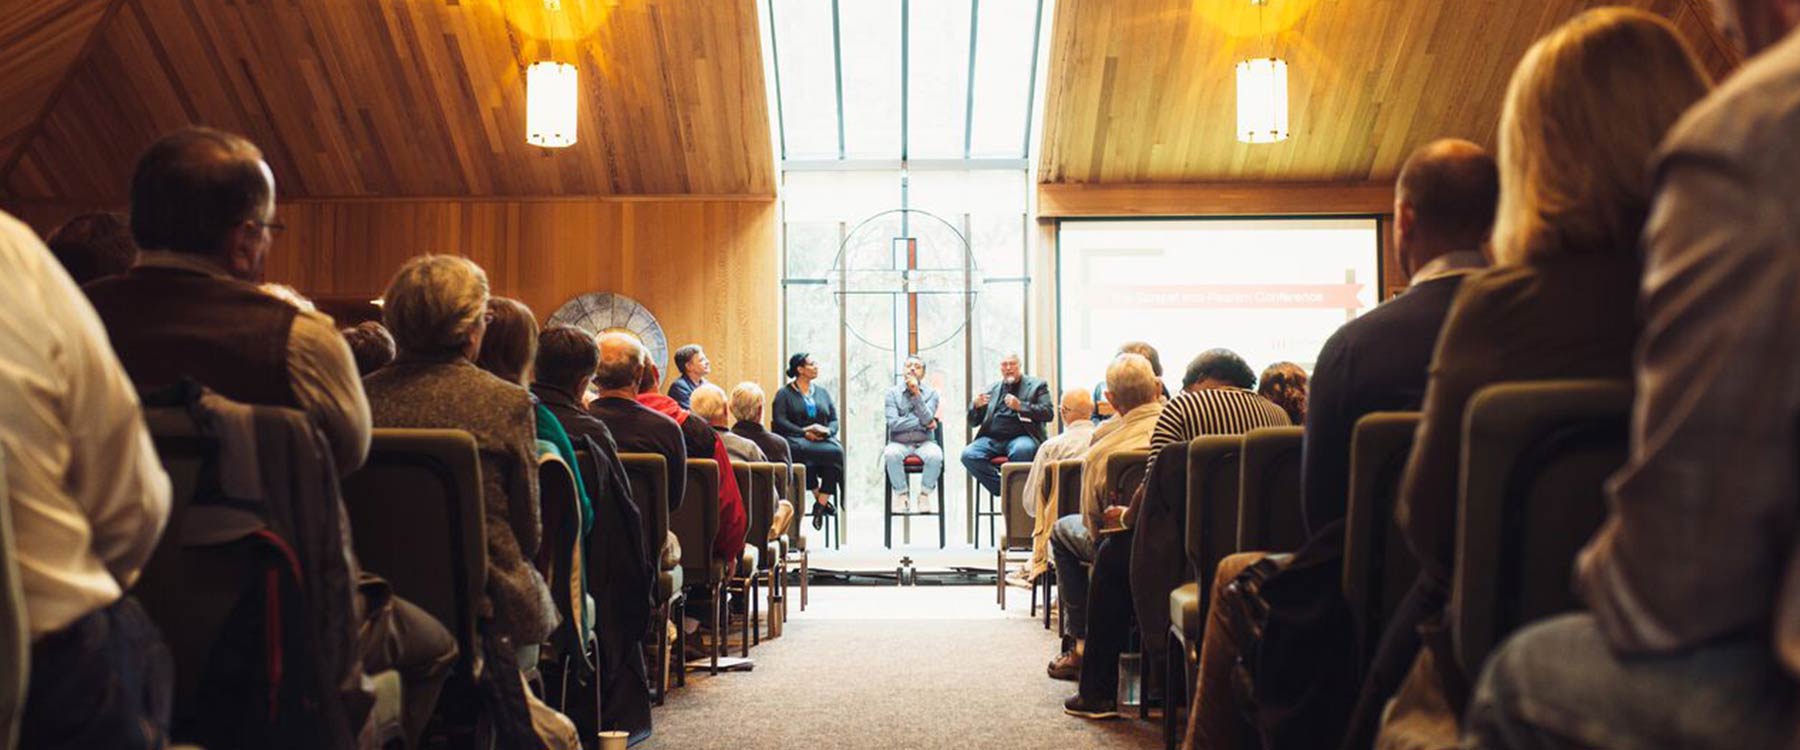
x=914, y=461
x=997, y=460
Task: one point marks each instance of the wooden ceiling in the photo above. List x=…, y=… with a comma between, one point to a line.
x=387, y=98
x=1144, y=90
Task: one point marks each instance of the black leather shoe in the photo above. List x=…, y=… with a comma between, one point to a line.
x=1090, y=708
x=818, y=517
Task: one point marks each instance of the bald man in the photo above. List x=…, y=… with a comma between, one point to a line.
x=1076, y=410
x=638, y=428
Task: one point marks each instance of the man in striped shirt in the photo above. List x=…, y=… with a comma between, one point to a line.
x=1215, y=400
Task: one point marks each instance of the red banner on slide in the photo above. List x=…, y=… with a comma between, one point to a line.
x=1236, y=296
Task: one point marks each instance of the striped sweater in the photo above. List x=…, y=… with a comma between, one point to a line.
x=1213, y=411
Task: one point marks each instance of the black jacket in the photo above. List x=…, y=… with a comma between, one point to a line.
x=1037, y=407
x=789, y=412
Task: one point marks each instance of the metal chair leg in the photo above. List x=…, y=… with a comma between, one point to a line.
x=1000, y=578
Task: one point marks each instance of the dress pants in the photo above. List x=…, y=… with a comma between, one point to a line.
x=1109, y=616
x=982, y=450
x=105, y=681
x=397, y=635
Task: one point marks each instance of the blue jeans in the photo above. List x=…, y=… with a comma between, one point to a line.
x=106, y=680
x=1072, y=549
x=894, y=458
x=1557, y=684
x=975, y=458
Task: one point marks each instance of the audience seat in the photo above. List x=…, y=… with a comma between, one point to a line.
x=745, y=580
x=1269, y=512
x=1212, y=531
x=573, y=686
x=695, y=525
x=991, y=512
x=416, y=515
x=771, y=562
x=1124, y=472
x=797, y=552
x=1067, y=476
x=1536, y=457
x=648, y=475
x=1378, y=568
x=15, y=632
x=1016, y=543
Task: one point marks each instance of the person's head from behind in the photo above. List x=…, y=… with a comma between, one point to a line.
x=1147, y=351
x=1010, y=368
x=94, y=245
x=691, y=362
x=1218, y=368
x=747, y=402
x=622, y=362
x=1756, y=25
x=649, y=377
x=370, y=345
x=510, y=345
x=1130, y=383
x=1077, y=405
x=436, y=307
x=208, y=193
x=1444, y=202
x=566, y=359
x=1285, y=384
x=1586, y=107
x=709, y=403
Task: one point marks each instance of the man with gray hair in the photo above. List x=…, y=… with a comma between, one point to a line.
x=637, y=428
x=1076, y=412
x=1009, y=419
x=1133, y=389
x=911, y=428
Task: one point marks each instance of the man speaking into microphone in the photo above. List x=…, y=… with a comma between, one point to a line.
x=1011, y=415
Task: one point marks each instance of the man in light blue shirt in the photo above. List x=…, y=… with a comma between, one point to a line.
x=911, y=423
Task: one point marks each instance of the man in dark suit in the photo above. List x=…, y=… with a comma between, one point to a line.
x=1010, y=416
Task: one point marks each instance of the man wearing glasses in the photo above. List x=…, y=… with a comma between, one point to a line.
x=203, y=211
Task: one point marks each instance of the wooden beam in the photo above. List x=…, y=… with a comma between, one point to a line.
x=1064, y=200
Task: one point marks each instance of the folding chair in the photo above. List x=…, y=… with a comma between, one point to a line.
x=649, y=479
x=1067, y=475
x=1212, y=530
x=1378, y=569
x=695, y=524
x=744, y=581
x=1269, y=512
x=1016, y=544
x=572, y=651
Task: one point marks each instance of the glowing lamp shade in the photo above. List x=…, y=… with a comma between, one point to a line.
x=550, y=111
x=1262, y=100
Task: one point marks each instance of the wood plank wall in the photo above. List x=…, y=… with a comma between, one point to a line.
x=708, y=269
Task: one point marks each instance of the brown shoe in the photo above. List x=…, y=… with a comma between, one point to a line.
x=1066, y=667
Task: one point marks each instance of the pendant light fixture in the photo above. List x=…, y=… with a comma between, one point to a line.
x=550, y=104
x=1262, y=93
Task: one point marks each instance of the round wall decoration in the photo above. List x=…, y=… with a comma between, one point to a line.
x=604, y=312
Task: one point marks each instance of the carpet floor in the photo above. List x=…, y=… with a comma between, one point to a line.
x=879, y=667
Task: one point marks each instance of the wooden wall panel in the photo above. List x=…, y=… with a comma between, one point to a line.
x=1224, y=199
x=362, y=98
x=1145, y=90
x=706, y=269
x=40, y=41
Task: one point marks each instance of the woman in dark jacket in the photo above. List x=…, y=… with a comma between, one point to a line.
x=807, y=418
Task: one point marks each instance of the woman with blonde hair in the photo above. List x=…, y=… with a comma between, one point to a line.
x=1586, y=108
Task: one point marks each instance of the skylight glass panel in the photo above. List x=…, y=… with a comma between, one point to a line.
x=807, y=65
x=1005, y=33
x=938, y=79
x=870, y=33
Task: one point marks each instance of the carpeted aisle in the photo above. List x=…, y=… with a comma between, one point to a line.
x=876, y=667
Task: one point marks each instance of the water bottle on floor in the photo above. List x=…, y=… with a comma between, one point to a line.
x=1130, y=678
